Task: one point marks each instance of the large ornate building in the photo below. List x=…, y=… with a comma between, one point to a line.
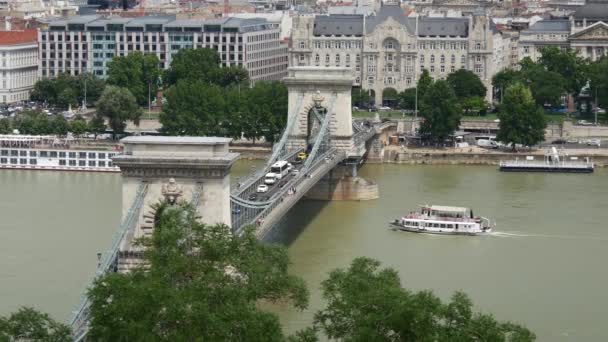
x=387, y=51
x=586, y=32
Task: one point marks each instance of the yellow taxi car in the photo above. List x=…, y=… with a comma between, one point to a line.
x=302, y=156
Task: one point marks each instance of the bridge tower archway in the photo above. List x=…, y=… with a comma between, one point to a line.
x=310, y=88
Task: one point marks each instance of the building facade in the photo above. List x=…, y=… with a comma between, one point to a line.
x=18, y=64
x=388, y=51
x=88, y=43
x=586, y=31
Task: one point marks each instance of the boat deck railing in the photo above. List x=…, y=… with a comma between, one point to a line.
x=536, y=163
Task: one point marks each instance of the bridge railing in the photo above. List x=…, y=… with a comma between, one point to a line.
x=79, y=321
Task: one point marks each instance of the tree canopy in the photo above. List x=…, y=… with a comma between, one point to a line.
x=28, y=324
x=440, y=111
x=566, y=63
x=202, y=283
x=66, y=90
x=466, y=84
x=118, y=105
x=522, y=121
x=137, y=72
x=366, y=303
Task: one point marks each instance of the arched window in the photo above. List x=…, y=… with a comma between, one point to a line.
x=453, y=59
x=442, y=59
x=326, y=59
x=302, y=45
x=432, y=58
x=347, y=60
x=317, y=59
x=337, y=60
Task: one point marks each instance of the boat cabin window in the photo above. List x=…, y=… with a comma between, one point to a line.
x=91, y=155
x=33, y=162
x=23, y=153
x=82, y=155
x=82, y=163
x=13, y=160
x=33, y=153
x=23, y=161
x=101, y=155
x=72, y=163
x=442, y=225
x=14, y=153
x=44, y=153
x=3, y=152
x=72, y=154
x=450, y=226
x=110, y=164
x=61, y=154
x=3, y=160
x=62, y=162
x=102, y=163
x=53, y=154
x=91, y=163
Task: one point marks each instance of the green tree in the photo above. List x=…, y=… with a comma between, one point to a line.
x=266, y=110
x=504, y=78
x=522, y=121
x=424, y=83
x=33, y=122
x=6, y=126
x=360, y=97
x=547, y=86
x=66, y=98
x=97, y=125
x=59, y=125
x=466, y=84
x=79, y=126
x=193, y=108
x=474, y=104
x=407, y=99
x=567, y=63
x=94, y=87
x=598, y=76
x=44, y=91
x=136, y=72
x=194, y=64
x=440, y=111
x=118, y=105
x=202, y=283
x=28, y=324
x=366, y=303
x=233, y=76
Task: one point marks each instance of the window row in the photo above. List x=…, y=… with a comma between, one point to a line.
x=62, y=162
x=57, y=154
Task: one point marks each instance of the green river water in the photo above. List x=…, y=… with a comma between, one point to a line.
x=545, y=266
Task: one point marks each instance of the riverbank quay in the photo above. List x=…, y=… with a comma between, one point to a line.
x=478, y=156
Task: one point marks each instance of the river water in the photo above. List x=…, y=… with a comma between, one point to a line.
x=544, y=267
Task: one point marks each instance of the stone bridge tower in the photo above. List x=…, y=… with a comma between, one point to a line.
x=195, y=169
x=329, y=86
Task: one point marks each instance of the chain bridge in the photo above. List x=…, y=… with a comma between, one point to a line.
x=197, y=169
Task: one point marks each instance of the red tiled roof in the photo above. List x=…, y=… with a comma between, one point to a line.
x=18, y=37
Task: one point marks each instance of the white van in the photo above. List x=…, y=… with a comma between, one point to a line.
x=270, y=178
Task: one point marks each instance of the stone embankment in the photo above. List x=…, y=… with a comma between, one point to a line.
x=478, y=156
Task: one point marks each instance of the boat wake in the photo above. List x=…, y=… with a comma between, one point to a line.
x=515, y=234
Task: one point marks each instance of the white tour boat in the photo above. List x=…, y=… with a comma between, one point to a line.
x=436, y=219
x=36, y=152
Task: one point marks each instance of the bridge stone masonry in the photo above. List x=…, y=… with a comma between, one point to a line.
x=197, y=169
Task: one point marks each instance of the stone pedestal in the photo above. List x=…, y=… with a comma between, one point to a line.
x=187, y=167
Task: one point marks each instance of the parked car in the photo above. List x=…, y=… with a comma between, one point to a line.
x=559, y=142
x=355, y=108
x=584, y=123
x=262, y=188
x=594, y=142
x=385, y=108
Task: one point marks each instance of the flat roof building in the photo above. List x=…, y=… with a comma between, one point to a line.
x=19, y=64
x=87, y=43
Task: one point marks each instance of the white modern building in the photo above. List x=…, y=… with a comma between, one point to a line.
x=18, y=64
x=87, y=43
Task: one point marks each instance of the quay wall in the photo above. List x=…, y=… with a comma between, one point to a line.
x=451, y=157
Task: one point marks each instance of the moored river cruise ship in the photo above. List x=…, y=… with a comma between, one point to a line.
x=34, y=152
x=437, y=219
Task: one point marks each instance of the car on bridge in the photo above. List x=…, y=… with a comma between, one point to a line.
x=253, y=197
x=301, y=156
x=262, y=188
x=270, y=178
